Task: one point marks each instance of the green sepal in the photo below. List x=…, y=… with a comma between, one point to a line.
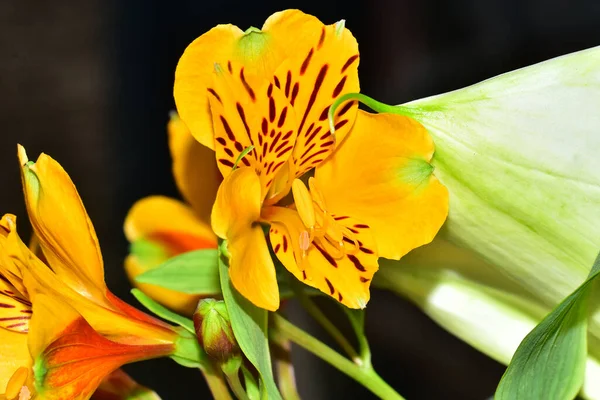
x=188, y=352
x=195, y=272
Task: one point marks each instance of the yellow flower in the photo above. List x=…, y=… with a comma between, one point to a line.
x=272, y=89
x=159, y=227
x=58, y=320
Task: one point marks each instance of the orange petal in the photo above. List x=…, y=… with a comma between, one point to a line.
x=251, y=268
x=170, y=223
x=194, y=168
x=257, y=115
x=59, y=219
x=381, y=175
x=70, y=357
x=345, y=277
x=15, y=354
x=259, y=52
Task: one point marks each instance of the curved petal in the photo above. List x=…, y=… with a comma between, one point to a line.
x=238, y=203
x=345, y=278
x=59, y=219
x=194, y=168
x=170, y=223
x=251, y=268
x=235, y=218
x=382, y=175
x=15, y=354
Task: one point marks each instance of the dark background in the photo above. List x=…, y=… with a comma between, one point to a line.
x=90, y=83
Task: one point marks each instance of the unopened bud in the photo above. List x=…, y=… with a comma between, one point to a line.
x=213, y=329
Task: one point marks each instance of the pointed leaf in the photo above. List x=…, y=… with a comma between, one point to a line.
x=249, y=325
x=163, y=312
x=194, y=272
x=550, y=362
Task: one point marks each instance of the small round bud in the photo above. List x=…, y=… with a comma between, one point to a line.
x=213, y=330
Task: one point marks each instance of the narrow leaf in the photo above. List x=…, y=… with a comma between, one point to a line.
x=249, y=325
x=163, y=312
x=195, y=272
x=550, y=362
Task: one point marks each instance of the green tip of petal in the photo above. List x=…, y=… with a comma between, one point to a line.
x=148, y=253
x=218, y=68
x=31, y=179
x=415, y=171
x=39, y=372
x=251, y=47
x=251, y=30
x=339, y=27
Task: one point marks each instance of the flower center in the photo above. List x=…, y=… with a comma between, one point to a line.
x=321, y=228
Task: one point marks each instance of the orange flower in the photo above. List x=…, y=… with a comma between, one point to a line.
x=62, y=329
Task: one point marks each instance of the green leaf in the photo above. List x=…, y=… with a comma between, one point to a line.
x=162, y=312
x=249, y=325
x=195, y=272
x=550, y=362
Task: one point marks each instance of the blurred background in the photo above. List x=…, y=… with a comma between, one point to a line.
x=90, y=83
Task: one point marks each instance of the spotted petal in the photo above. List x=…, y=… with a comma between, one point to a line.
x=259, y=52
x=312, y=81
x=382, y=175
x=345, y=278
x=259, y=116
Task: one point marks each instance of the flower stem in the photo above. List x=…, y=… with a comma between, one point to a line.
x=366, y=376
x=236, y=385
x=216, y=384
x=285, y=369
x=322, y=319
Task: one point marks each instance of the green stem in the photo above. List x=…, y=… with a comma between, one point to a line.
x=285, y=369
x=366, y=376
x=369, y=102
x=322, y=319
x=236, y=385
x=216, y=384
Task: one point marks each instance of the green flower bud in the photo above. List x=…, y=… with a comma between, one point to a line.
x=213, y=330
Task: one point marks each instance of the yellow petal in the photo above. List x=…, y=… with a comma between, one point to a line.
x=15, y=354
x=251, y=268
x=238, y=203
x=382, y=175
x=59, y=219
x=235, y=218
x=179, y=302
x=169, y=222
x=245, y=115
x=194, y=168
x=259, y=52
x=312, y=80
x=345, y=277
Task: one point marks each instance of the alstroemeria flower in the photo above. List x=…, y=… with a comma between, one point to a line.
x=159, y=227
x=62, y=311
x=272, y=89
